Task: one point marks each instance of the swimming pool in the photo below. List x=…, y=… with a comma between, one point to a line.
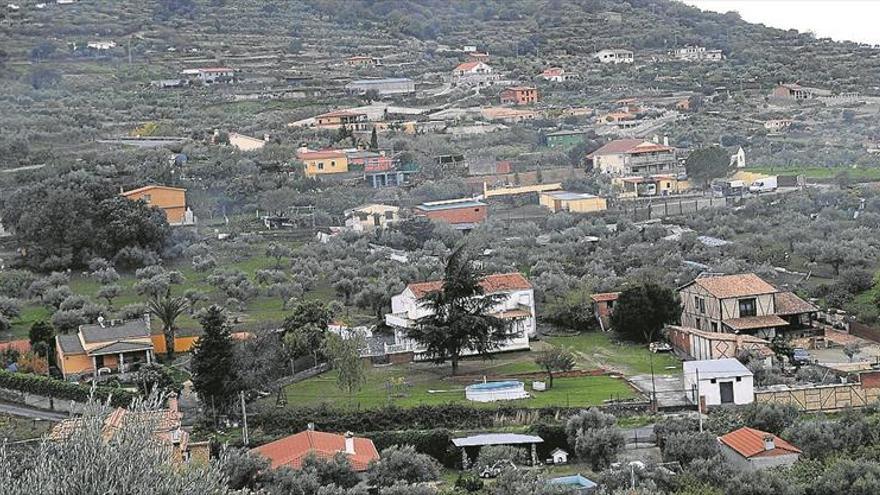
x=493, y=391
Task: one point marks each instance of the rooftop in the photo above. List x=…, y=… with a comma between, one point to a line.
x=569, y=196
x=450, y=205
x=630, y=146
x=496, y=439
x=501, y=282
x=749, y=443
x=131, y=329
x=290, y=451
x=727, y=286
x=382, y=81
x=755, y=322
x=788, y=303
x=605, y=296
x=716, y=368
x=150, y=188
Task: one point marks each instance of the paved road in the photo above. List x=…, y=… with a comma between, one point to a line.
x=29, y=412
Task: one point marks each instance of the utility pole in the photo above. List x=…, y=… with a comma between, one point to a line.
x=129, y=49
x=653, y=383
x=699, y=408
x=244, y=432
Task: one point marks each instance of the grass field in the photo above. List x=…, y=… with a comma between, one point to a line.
x=14, y=428
x=857, y=174
x=427, y=387
x=597, y=350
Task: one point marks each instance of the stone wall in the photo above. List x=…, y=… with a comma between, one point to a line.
x=824, y=397
x=41, y=402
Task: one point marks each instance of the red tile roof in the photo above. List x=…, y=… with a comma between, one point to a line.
x=749, y=443
x=314, y=155
x=605, y=296
x=468, y=65
x=629, y=146
x=727, y=286
x=150, y=188
x=341, y=113
x=553, y=71
x=491, y=284
x=290, y=451
x=788, y=303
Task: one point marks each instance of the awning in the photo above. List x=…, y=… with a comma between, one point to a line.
x=496, y=439
x=755, y=322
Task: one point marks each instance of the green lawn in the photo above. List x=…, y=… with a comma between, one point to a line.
x=596, y=349
x=859, y=174
x=428, y=385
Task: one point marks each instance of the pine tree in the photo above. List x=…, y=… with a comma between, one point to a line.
x=212, y=361
x=374, y=141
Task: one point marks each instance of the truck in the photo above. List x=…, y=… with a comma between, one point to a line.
x=765, y=184
x=728, y=188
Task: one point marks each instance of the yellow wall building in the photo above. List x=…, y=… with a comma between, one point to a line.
x=323, y=162
x=573, y=202
x=172, y=200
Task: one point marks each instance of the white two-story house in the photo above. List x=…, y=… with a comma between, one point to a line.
x=743, y=304
x=517, y=306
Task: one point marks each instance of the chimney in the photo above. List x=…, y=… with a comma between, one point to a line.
x=172, y=403
x=147, y=319
x=665, y=140
x=769, y=444
x=266, y=137
x=310, y=427
x=349, y=443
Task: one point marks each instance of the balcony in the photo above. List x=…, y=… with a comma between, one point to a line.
x=398, y=320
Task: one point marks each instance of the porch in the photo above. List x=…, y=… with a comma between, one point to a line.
x=120, y=358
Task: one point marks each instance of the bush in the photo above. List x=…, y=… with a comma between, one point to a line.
x=553, y=435
x=586, y=420
x=403, y=464
x=58, y=389
x=770, y=417
x=599, y=446
x=436, y=443
x=468, y=482
x=685, y=447
x=667, y=427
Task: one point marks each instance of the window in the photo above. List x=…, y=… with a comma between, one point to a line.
x=320, y=165
x=714, y=326
x=697, y=322
x=332, y=163
x=748, y=307
x=700, y=304
x=147, y=198
x=389, y=215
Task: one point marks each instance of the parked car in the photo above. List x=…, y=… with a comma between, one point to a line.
x=801, y=356
x=660, y=347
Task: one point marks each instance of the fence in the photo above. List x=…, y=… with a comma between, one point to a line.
x=660, y=208
x=822, y=397
x=864, y=331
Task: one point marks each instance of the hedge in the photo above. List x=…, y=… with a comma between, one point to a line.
x=59, y=389
x=436, y=443
x=394, y=418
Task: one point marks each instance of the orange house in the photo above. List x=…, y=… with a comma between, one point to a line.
x=520, y=95
x=172, y=200
x=118, y=346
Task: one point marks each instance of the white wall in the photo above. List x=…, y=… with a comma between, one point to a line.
x=743, y=390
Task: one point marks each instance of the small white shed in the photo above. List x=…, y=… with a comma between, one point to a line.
x=718, y=381
x=559, y=456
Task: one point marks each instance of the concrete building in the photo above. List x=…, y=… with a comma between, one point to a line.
x=517, y=306
x=462, y=214
x=634, y=157
x=603, y=307
x=383, y=87
x=474, y=73
x=520, y=95
x=743, y=304
x=690, y=343
x=362, y=60
x=211, y=75
x=718, y=381
x=698, y=54
x=614, y=56
x=355, y=121
x=795, y=91
x=777, y=125
x=557, y=201
x=369, y=217
x=747, y=449
x=648, y=186
x=555, y=74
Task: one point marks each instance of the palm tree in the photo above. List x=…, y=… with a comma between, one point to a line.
x=461, y=316
x=167, y=309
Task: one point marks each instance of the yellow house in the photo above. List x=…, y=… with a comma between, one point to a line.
x=573, y=202
x=352, y=120
x=323, y=162
x=172, y=200
x=115, y=346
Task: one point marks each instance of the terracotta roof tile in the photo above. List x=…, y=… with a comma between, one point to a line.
x=631, y=146
x=491, y=284
x=605, y=296
x=468, y=65
x=290, y=451
x=788, y=303
x=727, y=286
x=749, y=443
x=755, y=322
